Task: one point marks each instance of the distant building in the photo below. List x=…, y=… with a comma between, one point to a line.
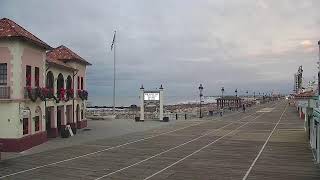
x=298, y=81
x=42, y=89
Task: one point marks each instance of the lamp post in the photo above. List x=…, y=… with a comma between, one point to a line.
x=254, y=95
x=222, y=101
x=200, y=96
x=236, y=91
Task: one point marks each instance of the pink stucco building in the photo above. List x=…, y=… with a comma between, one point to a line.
x=42, y=89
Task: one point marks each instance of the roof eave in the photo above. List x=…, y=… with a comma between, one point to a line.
x=60, y=65
x=78, y=61
x=41, y=45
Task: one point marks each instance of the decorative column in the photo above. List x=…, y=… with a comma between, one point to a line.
x=55, y=85
x=54, y=119
x=141, y=103
x=161, y=103
x=64, y=116
x=53, y=130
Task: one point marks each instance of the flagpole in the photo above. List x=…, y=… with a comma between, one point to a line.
x=114, y=74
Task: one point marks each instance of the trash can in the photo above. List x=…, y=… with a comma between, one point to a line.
x=65, y=133
x=165, y=119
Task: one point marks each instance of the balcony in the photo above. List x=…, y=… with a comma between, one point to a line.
x=4, y=92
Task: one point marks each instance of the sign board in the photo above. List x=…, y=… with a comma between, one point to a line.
x=25, y=113
x=151, y=96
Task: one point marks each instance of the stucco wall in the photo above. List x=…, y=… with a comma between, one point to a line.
x=33, y=57
x=81, y=73
x=19, y=54
x=6, y=57
x=10, y=124
x=7, y=49
x=10, y=121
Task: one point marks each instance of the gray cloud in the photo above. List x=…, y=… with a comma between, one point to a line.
x=252, y=45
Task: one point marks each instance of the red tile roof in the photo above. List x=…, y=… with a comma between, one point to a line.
x=63, y=53
x=9, y=29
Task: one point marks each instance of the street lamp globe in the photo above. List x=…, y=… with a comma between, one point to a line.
x=222, y=91
x=200, y=89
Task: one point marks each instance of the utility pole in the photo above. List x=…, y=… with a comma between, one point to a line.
x=113, y=47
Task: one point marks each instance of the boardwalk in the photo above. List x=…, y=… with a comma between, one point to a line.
x=267, y=142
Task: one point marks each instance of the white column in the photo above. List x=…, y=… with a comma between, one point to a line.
x=55, y=85
x=161, y=104
x=54, y=115
x=141, y=103
x=64, y=115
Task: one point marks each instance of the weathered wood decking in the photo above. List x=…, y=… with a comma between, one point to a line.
x=208, y=149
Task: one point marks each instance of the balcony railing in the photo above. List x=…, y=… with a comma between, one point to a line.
x=4, y=92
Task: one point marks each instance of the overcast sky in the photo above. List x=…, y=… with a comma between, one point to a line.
x=254, y=45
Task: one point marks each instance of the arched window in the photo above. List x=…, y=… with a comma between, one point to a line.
x=60, y=82
x=50, y=80
x=26, y=122
x=69, y=83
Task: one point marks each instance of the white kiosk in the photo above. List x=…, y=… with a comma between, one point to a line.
x=151, y=96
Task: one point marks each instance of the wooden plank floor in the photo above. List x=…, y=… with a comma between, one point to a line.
x=207, y=149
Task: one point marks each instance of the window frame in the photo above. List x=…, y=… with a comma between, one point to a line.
x=25, y=126
x=4, y=74
x=81, y=83
x=78, y=82
x=36, y=77
x=28, y=73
